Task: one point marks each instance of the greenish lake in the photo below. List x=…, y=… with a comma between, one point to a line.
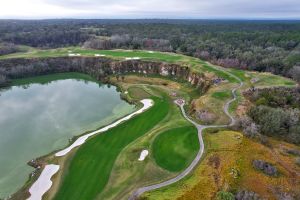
x=40, y=115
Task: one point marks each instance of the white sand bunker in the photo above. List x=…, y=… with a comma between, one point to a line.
x=99, y=55
x=74, y=54
x=147, y=104
x=132, y=58
x=43, y=183
x=143, y=155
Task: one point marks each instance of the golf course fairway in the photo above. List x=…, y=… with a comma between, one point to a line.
x=90, y=168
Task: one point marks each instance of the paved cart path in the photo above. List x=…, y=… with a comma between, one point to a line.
x=199, y=155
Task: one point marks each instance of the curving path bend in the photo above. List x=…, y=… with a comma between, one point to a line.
x=199, y=155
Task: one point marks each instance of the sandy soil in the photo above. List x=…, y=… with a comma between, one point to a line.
x=99, y=55
x=147, y=104
x=134, y=58
x=43, y=183
x=74, y=54
x=143, y=155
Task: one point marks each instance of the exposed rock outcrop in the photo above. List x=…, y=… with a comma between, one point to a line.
x=100, y=68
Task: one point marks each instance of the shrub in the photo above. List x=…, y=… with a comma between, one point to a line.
x=222, y=195
x=247, y=195
x=3, y=81
x=294, y=152
x=265, y=167
x=280, y=122
x=261, y=101
x=250, y=129
x=298, y=161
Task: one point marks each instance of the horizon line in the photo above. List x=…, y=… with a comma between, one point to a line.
x=137, y=18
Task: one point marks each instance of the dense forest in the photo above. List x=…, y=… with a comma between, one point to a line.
x=272, y=46
x=275, y=112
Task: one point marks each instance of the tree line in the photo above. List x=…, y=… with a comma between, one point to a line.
x=272, y=46
x=276, y=112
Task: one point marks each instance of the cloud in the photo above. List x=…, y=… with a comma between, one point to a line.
x=150, y=9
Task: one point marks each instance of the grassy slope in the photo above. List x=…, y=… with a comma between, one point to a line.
x=128, y=173
x=172, y=149
x=227, y=165
x=223, y=95
x=90, y=168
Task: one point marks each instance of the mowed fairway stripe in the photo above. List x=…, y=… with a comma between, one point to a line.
x=90, y=168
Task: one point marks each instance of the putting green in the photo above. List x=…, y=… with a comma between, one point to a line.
x=174, y=149
x=90, y=168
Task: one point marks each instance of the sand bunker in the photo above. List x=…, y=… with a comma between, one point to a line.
x=74, y=54
x=99, y=55
x=143, y=155
x=147, y=104
x=43, y=183
x=132, y=58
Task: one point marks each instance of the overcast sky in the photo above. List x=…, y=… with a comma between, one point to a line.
x=250, y=9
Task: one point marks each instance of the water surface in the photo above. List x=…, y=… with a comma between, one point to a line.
x=37, y=119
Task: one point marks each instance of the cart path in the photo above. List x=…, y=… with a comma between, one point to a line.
x=200, y=129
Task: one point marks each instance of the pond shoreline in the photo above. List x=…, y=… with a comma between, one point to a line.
x=40, y=162
x=36, y=192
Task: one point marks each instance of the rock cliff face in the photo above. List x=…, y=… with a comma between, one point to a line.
x=100, y=68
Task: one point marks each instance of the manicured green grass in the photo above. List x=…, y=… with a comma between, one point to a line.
x=239, y=73
x=174, y=149
x=266, y=79
x=221, y=95
x=234, y=105
x=140, y=54
x=90, y=168
x=220, y=73
x=44, y=79
x=122, y=54
x=138, y=92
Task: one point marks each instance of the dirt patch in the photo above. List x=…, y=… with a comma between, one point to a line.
x=205, y=115
x=214, y=161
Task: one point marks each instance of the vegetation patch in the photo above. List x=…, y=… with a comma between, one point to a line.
x=227, y=167
x=44, y=79
x=275, y=113
x=223, y=95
